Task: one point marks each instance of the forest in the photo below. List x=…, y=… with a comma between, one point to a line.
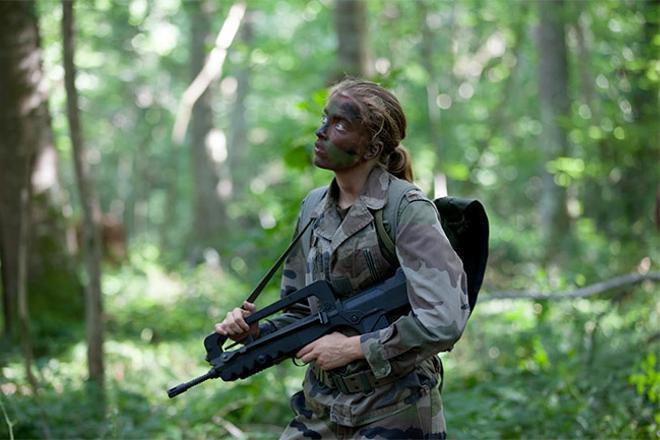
x=154, y=154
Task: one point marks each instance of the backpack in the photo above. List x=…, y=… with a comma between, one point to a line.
x=464, y=221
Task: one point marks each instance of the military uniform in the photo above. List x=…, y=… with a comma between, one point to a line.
x=394, y=392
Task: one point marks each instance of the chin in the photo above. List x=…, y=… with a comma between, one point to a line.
x=318, y=163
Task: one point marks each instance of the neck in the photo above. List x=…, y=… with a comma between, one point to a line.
x=351, y=182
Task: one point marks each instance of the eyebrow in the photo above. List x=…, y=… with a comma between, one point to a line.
x=347, y=111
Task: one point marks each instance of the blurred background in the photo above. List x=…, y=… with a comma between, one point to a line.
x=143, y=195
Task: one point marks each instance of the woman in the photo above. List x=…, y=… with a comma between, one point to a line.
x=383, y=384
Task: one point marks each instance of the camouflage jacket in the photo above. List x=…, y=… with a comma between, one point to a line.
x=344, y=250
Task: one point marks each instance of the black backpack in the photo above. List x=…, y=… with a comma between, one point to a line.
x=464, y=221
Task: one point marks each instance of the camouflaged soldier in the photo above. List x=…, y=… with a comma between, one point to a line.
x=383, y=384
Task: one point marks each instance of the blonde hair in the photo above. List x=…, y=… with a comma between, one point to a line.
x=382, y=115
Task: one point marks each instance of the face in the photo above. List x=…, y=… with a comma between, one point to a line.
x=341, y=138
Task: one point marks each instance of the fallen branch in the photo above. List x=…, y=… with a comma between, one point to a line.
x=228, y=426
x=211, y=70
x=583, y=292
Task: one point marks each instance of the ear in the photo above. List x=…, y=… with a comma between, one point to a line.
x=373, y=150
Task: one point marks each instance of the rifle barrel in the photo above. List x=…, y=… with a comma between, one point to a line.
x=182, y=388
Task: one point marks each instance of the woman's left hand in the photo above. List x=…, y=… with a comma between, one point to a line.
x=332, y=351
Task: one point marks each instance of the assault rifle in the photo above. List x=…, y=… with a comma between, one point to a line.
x=368, y=311
x=466, y=225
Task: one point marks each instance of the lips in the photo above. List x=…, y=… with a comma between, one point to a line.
x=318, y=148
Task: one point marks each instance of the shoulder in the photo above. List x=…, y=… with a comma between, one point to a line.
x=311, y=203
x=416, y=207
x=416, y=194
x=315, y=195
x=404, y=194
x=400, y=191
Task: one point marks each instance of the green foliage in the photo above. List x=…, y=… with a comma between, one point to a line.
x=156, y=324
x=648, y=379
x=580, y=369
x=554, y=370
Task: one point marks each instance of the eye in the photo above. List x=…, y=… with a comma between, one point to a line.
x=324, y=119
x=340, y=126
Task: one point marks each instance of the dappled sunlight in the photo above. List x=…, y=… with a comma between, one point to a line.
x=556, y=136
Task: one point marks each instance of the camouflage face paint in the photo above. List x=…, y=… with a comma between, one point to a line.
x=339, y=157
x=341, y=137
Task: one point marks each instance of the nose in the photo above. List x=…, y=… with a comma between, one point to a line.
x=321, y=131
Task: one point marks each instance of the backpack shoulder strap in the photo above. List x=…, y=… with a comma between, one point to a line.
x=310, y=202
x=386, y=219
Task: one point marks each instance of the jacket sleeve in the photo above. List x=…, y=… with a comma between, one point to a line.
x=293, y=278
x=437, y=291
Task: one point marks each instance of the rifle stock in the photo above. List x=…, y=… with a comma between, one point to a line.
x=371, y=310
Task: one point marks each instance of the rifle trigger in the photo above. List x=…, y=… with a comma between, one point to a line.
x=323, y=317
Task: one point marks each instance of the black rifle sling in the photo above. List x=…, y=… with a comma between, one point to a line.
x=266, y=278
x=308, y=205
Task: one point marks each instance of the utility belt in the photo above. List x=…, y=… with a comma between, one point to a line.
x=360, y=382
x=363, y=381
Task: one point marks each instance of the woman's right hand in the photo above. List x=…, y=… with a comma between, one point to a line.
x=234, y=325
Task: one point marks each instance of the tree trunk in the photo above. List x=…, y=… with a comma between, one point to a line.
x=22, y=123
x=427, y=51
x=581, y=28
x=432, y=111
x=641, y=176
x=238, y=144
x=28, y=165
x=554, y=104
x=207, y=146
x=91, y=213
x=351, y=26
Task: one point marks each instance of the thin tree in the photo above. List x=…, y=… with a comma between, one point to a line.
x=352, y=30
x=642, y=176
x=238, y=137
x=554, y=105
x=211, y=70
x=206, y=143
x=427, y=50
x=91, y=245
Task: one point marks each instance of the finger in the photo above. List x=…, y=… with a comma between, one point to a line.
x=239, y=320
x=309, y=357
x=235, y=329
x=231, y=330
x=220, y=328
x=302, y=353
x=306, y=349
x=248, y=306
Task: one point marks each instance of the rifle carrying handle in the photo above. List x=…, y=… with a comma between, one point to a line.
x=213, y=343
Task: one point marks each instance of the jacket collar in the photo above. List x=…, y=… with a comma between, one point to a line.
x=372, y=197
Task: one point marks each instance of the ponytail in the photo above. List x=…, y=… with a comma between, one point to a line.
x=399, y=163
